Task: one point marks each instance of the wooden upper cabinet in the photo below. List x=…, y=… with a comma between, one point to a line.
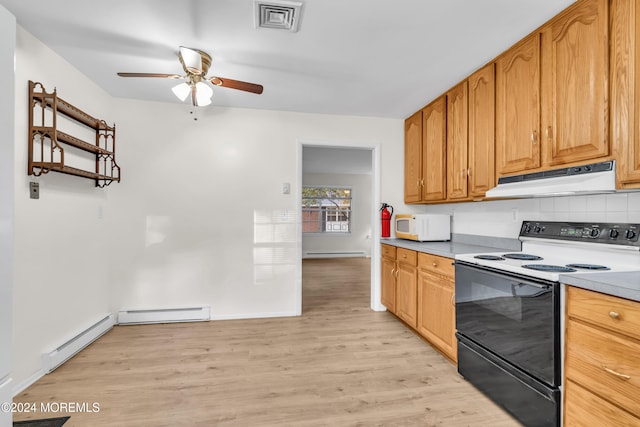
x=412, y=158
x=518, y=107
x=575, y=84
x=625, y=91
x=457, y=141
x=482, y=106
x=434, y=131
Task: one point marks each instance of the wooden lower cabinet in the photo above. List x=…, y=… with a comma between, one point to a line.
x=583, y=408
x=602, y=373
x=436, y=303
x=419, y=289
x=406, y=287
x=388, y=277
x=398, y=282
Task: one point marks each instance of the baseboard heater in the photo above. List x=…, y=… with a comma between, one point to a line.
x=335, y=254
x=66, y=351
x=166, y=315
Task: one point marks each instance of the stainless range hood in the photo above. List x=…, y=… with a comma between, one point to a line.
x=594, y=178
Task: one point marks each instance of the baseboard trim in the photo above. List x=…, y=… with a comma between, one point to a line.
x=253, y=316
x=26, y=383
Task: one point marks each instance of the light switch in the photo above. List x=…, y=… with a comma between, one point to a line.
x=34, y=190
x=286, y=188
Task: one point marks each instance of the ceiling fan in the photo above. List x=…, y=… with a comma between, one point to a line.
x=196, y=64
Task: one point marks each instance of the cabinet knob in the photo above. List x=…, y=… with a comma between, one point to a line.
x=614, y=314
x=435, y=264
x=549, y=132
x=534, y=137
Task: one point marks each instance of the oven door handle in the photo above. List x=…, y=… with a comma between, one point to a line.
x=543, y=289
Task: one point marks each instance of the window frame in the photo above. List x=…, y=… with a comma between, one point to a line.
x=326, y=212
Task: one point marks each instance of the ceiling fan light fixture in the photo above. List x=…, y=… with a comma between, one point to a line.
x=203, y=94
x=182, y=91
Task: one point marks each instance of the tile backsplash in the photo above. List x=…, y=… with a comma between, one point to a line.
x=502, y=218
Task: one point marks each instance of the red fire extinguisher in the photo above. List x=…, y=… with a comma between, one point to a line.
x=386, y=219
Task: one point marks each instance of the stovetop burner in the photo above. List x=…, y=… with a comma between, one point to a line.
x=589, y=266
x=490, y=257
x=548, y=267
x=550, y=249
x=523, y=256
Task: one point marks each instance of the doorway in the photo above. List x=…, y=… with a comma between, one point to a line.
x=343, y=165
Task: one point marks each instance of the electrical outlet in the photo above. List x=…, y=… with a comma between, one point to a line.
x=286, y=188
x=34, y=190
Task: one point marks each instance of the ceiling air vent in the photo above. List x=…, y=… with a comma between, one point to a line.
x=278, y=14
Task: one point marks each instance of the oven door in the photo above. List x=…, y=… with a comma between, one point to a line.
x=514, y=317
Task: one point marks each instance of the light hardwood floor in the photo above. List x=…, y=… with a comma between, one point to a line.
x=339, y=364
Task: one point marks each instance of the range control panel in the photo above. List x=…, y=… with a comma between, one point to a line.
x=625, y=234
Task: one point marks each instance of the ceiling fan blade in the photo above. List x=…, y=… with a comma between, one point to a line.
x=161, y=75
x=237, y=84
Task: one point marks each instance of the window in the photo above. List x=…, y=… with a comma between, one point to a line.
x=326, y=210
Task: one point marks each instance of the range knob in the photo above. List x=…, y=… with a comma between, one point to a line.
x=595, y=232
x=630, y=234
x=537, y=229
x=614, y=233
x=526, y=228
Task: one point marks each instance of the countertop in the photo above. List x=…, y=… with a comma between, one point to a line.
x=459, y=244
x=624, y=285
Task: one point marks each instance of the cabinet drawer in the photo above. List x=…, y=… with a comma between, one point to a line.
x=436, y=264
x=582, y=408
x=605, y=363
x=406, y=256
x=617, y=314
x=388, y=251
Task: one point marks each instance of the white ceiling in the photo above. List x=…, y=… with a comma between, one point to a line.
x=349, y=57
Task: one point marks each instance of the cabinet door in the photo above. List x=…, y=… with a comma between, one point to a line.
x=482, y=168
x=412, y=158
x=434, y=121
x=518, y=107
x=436, y=314
x=388, y=284
x=583, y=408
x=457, y=141
x=625, y=91
x=575, y=84
x=407, y=294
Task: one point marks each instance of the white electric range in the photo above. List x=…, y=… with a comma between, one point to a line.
x=553, y=248
x=510, y=305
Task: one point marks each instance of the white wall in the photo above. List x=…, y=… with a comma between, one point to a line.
x=200, y=219
x=7, y=54
x=361, y=228
x=61, y=260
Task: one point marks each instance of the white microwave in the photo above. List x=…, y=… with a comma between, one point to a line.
x=423, y=227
